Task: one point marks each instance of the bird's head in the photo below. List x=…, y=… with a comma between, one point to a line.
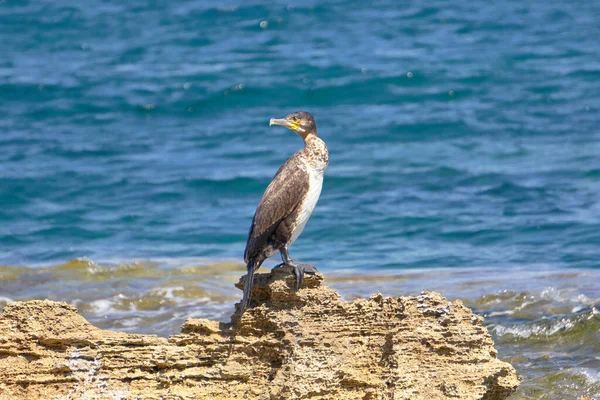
x=300, y=122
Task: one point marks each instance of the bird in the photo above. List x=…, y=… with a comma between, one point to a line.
x=287, y=203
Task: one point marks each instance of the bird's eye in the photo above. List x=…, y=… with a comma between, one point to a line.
x=295, y=119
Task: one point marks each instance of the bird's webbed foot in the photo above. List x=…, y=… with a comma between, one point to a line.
x=308, y=269
x=299, y=270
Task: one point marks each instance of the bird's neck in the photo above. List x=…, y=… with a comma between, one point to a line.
x=316, y=151
x=309, y=138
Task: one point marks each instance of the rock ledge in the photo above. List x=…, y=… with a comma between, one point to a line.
x=289, y=345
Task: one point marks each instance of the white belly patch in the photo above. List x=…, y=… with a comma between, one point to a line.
x=309, y=203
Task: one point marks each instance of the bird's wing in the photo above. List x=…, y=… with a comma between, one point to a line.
x=282, y=196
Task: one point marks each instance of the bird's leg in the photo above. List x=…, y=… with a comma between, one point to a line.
x=285, y=257
x=299, y=269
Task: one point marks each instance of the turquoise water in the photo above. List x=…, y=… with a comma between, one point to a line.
x=463, y=138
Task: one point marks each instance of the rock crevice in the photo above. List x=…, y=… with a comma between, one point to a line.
x=288, y=345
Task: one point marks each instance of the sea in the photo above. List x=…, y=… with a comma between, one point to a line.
x=464, y=148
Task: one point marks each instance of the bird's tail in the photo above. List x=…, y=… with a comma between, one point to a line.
x=251, y=267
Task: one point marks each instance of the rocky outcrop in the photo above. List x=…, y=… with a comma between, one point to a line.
x=289, y=345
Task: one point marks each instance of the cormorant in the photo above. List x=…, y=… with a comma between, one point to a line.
x=288, y=201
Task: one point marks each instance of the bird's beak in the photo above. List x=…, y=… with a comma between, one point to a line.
x=283, y=122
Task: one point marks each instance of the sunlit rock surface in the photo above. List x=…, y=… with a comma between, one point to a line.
x=306, y=344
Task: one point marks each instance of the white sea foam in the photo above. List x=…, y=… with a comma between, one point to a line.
x=130, y=322
x=592, y=376
x=167, y=292
x=102, y=306
x=526, y=331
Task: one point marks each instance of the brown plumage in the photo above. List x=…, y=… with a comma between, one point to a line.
x=288, y=201
x=270, y=227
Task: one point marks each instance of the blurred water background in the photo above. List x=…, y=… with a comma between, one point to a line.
x=464, y=158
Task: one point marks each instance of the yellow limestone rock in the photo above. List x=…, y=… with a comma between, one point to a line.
x=288, y=345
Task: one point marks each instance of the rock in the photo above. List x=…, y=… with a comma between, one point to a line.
x=288, y=345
